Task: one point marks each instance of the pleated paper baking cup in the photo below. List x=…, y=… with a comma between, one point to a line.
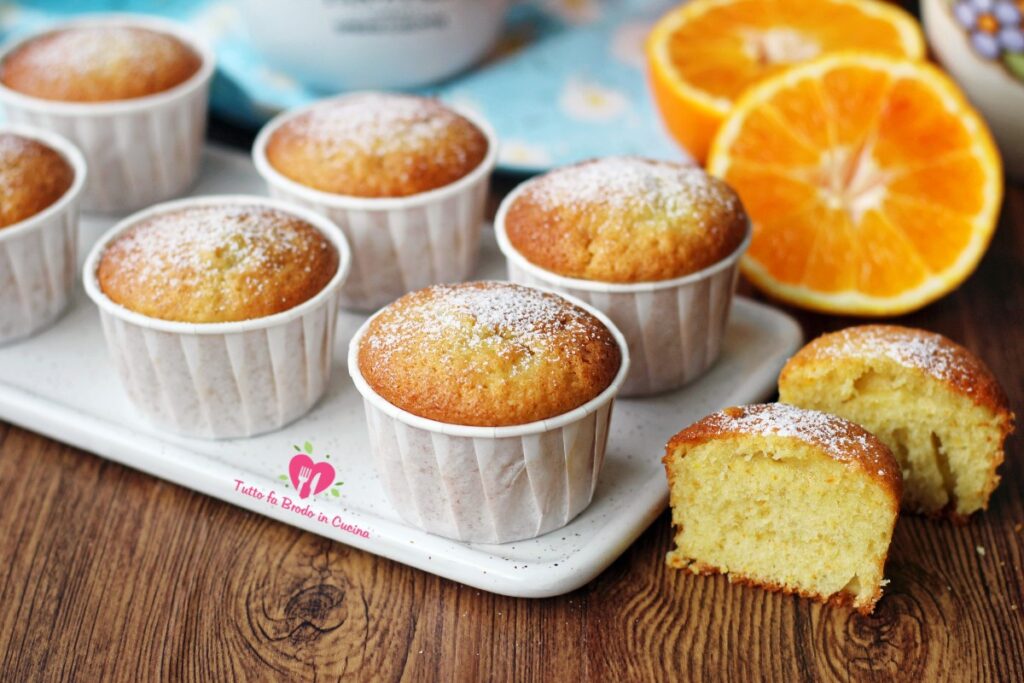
x=489, y=484
x=139, y=151
x=399, y=244
x=674, y=328
x=223, y=380
x=38, y=255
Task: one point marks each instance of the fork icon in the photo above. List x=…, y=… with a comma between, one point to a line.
x=305, y=474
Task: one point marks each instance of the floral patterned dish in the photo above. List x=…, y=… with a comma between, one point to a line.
x=981, y=44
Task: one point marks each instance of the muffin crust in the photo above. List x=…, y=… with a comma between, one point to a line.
x=32, y=177
x=841, y=439
x=99, y=64
x=626, y=219
x=487, y=354
x=927, y=352
x=377, y=145
x=210, y=264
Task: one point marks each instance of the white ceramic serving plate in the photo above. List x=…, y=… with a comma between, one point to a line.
x=61, y=383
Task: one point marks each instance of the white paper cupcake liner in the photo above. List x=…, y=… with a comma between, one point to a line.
x=38, y=255
x=399, y=244
x=674, y=327
x=138, y=151
x=223, y=380
x=489, y=484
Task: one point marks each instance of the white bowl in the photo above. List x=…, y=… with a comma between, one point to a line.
x=223, y=380
x=373, y=43
x=38, y=256
x=490, y=484
x=990, y=86
x=139, y=151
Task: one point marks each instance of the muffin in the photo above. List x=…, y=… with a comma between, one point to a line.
x=129, y=91
x=488, y=406
x=41, y=181
x=653, y=244
x=487, y=354
x=626, y=219
x=784, y=498
x=219, y=312
x=377, y=145
x=99, y=64
x=934, y=403
x=216, y=264
x=33, y=176
x=404, y=177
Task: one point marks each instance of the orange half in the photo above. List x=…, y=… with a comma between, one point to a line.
x=873, y=187
x=704, y=54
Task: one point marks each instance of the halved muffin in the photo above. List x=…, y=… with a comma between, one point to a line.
x=787, y=499
x=933, y=402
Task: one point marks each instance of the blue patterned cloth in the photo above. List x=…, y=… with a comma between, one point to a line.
x=565, y=83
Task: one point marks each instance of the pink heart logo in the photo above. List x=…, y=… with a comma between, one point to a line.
x=308, y=477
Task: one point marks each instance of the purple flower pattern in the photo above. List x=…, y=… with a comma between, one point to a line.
x=995, y=27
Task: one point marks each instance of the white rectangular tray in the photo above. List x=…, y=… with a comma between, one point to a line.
x=61, y=383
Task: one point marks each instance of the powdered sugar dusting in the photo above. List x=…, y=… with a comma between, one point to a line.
x=12, y=149
x=486, y=319
x=635, y=184
x=926, y=351
x=377, y=123
x=198, y=248
x=843, y=440
x=81, y=53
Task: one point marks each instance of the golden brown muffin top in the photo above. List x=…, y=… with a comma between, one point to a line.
x=377, y=145
x=99, y=64
x=32, y=177
x=211, y=264
x=626, y=219
x=928, y=352
x=840, y=439
x=487, y=354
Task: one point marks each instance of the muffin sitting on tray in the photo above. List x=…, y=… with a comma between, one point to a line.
x=404, y=177
x=41, y=178
x=488, y=406
x=130, y=91
x=33, y=176
x=653, y=244
x=219, y=311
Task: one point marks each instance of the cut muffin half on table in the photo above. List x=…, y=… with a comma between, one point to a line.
x=934, y=403
x=784, y=498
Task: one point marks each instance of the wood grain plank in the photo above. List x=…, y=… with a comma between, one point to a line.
x=108, y=574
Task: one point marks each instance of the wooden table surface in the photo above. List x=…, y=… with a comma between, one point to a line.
x=109, y=574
